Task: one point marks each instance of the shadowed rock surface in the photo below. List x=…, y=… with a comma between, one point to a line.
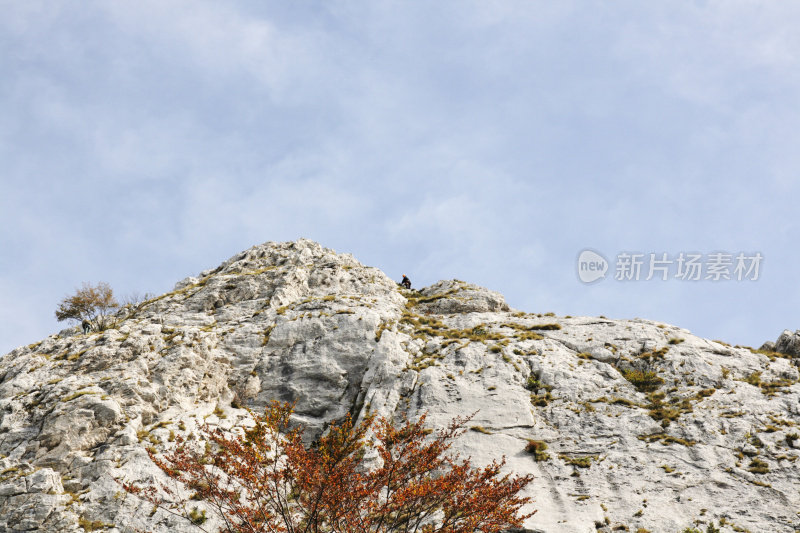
x=788, y=344
x=635, y=423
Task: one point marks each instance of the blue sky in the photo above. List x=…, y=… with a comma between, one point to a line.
x=142, y=142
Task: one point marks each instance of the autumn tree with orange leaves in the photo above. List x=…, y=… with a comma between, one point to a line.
x=373, y=477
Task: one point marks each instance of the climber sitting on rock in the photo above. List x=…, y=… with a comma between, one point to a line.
x=406, y=282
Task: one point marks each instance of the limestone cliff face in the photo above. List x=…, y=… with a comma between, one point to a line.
x=646, y=425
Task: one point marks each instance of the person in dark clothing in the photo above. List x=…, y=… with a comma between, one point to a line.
x=406, y=282
x=86, y=325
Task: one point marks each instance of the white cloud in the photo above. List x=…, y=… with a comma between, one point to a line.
x=221, y=42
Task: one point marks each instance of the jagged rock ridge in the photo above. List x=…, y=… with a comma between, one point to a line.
x=624, y=422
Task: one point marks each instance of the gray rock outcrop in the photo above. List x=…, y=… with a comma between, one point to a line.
x=640, y=425
x=788, y=343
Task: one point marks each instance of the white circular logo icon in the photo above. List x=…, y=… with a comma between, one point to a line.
x=591, y=266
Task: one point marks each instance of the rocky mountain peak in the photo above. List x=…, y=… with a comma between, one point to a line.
x=625, y=423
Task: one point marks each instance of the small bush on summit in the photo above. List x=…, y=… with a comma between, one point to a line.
x=91, y=302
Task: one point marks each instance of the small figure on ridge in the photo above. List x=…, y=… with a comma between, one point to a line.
x=406, y=282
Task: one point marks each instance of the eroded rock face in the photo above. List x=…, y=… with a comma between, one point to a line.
x=454, y=296
x=789, y=343
x=645, y=425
